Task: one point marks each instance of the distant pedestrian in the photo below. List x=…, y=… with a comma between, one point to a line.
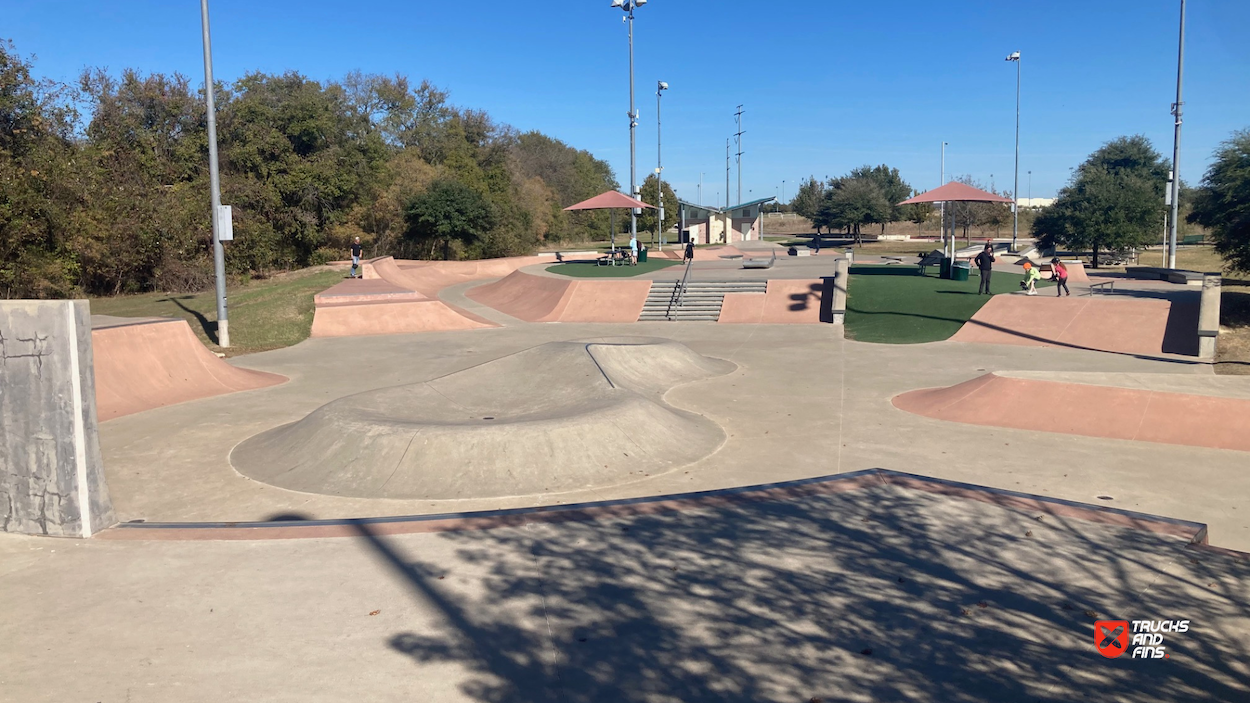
x=985, y=264
x=633, y=251
x=816, y=245
x=689, y=256
x=1061, y=277
x=357, y=250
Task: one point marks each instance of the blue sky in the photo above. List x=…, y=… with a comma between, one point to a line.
x=827, y=86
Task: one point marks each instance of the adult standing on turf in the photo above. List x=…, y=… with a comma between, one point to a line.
x=357, y=250
x=1060, y=276
x=633, y=251
x=985, y=263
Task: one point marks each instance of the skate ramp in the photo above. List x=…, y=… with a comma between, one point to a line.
x=536, y=298
x=677, y=251
x=558, y=417
x=1163, y=408
x=153, y=362
x=786, y=302
x=1145, y=326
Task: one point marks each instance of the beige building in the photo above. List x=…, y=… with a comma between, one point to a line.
x=710, y=225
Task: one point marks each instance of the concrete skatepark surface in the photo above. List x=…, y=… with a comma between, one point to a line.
x=558, y=417
x=786, y=302
x=146, y=363
x=1117, y=410
x=883, y=593
x=1121, y=324
x=538, y=298
x=887, y=592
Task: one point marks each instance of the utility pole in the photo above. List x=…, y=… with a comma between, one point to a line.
x=1176, y=147
x=1015, y=191
x=219, y=252
x=738, y=116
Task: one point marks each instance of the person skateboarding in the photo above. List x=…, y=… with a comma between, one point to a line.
x=985, y=264
x=357, y=250
x=1061, y=277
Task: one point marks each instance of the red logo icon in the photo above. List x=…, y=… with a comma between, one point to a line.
x=1111, y=637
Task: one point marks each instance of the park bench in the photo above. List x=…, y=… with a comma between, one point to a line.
x=1192, y=239
x=1104, y=286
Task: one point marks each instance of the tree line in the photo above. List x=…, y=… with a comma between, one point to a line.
x=104, y=184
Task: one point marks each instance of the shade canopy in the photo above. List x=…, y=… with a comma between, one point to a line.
x=956, y=192
x=608, y=201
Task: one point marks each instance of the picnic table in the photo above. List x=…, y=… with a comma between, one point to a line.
x=615, y=257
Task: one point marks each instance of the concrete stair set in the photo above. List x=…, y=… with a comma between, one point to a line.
x=701, y=303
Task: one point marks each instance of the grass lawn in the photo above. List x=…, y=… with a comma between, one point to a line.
x=267, y=314
x=589, y=269
x=892, y=305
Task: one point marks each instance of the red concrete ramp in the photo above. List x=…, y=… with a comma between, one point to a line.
x=152, y=364
x=534, y=298
x=786, y=302
x=1124, y=325
x=1088, y=410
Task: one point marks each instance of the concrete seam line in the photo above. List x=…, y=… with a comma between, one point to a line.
x=80, y=439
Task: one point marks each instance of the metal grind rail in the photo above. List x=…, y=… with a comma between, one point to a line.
x=679, y=291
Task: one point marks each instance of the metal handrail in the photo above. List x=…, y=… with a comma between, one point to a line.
x=679, y=291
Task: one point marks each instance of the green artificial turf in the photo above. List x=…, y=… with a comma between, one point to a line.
x=895, y=305
x=588, y=269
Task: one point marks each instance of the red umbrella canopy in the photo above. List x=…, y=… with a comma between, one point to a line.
x=608, y=201
x=956, y=192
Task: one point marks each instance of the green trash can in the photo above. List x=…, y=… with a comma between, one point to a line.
x=960, y=271
x=642, y=255
x=944, y=268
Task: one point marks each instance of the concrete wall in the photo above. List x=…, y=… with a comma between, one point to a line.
x=51, y=473
x=1209, y=315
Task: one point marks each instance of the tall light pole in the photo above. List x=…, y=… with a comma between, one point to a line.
x=726, y=173
x=660, y=87
x=1015, y=189
x=942, y=182
x=629, y=6
x=1030, y=189
x=783, y=190
x=1176, y=146
x=700, y=188
x=219, y=253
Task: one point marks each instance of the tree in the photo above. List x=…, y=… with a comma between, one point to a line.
x=852, y=203
x=448, y=211
x=892, y=187
x=1114, y=201
x=807, y=201
x=919, y=213
x=646, y=221
x=1222, y=202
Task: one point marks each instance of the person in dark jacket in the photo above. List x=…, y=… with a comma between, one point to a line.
x=985, y=263
x=689, y=256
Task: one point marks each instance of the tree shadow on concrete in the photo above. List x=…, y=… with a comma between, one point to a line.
x=880, y=594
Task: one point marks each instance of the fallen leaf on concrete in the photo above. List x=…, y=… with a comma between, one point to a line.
x=983, y=604
x=866, y=652
x=1091, y=614
x=1028, y=533
x=375, y=612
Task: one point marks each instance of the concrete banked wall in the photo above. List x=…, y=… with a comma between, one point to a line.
x=1089, y=409
x=786, y=302
x=536, y=298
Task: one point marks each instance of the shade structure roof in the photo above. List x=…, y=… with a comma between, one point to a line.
x=607, y=201
x=956, y=192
